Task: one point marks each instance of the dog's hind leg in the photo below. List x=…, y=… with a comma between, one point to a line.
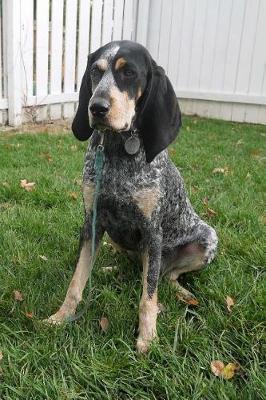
x=190, y=257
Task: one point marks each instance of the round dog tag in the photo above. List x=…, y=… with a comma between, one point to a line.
x=132, y=145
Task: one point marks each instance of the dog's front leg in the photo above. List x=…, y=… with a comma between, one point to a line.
x=80, y=277
x=148, y=308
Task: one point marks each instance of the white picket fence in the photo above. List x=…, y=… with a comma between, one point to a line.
x=214, y=52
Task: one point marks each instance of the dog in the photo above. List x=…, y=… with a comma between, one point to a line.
x=142, y=204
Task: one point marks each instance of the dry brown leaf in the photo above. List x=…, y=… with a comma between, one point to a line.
x=5, y=184
x=224, y=171
x=216, y=367
x=230, y=302
x=29, y=186
x=210, y=212
x=78, y=182
x=255, y=153
x=172, y=151
x=44, y=258
x=219, y=369
x=5, y=206
x=29, y=315
x=1, y=355
x=110, y=269
x=73, y=195
x=190, y=301
x=18, y=295
x=104, y=324
x=161, y=308
x=206, y=201
x=47, y=156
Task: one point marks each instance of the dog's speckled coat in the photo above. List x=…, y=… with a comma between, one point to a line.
x=142, y=203
x=173, y=222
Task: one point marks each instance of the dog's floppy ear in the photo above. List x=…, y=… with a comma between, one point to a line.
x=81, y=126
x=158, y=117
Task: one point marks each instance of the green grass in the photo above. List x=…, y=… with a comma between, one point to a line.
x=79, y=361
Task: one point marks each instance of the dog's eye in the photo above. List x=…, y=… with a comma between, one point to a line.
x=127, y=72
x=96, y=71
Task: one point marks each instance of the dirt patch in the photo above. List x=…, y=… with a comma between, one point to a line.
x=51, y=127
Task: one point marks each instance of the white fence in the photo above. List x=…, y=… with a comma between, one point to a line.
x=213, y=50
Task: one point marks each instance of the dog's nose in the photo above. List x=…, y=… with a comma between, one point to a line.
x=99, y=108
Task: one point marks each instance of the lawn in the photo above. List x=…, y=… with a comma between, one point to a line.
x=223, y=165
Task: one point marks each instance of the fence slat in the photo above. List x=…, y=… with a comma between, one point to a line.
x=128, y=20
x=27, y=49
x=245, y=55
x=118, y=19
x=83, y=38
x=42, y=26
x=142, y=15
x=165, y=29
x=107, y=21
x=13, y=64
x=95, y=40
x=70, y=53
x=56, y=54
x=175, y=40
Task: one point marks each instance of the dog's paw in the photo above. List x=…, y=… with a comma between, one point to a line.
x=56, y=319
x=143, y=345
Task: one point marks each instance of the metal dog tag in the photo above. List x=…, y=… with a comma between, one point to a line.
x=132, y=145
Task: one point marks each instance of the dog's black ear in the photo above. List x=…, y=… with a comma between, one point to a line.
x=158, y=117
x=81, y=126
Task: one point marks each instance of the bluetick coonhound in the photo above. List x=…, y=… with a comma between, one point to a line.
x=142, y=204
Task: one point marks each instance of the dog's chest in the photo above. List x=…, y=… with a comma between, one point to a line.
x=126, y=202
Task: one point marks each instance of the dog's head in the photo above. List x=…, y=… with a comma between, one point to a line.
x=123, y=88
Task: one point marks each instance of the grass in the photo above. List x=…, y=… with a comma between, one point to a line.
x=79, y=361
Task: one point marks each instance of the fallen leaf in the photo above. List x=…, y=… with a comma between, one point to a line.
x=110, y=269
x=29, y=186
x=210, y=212
x=1, y=355
x=73, y=195
x=255, y=153
x=29, y=315
x=104, y=324
x=224, y=171
x=78, y=182
x=172, y=151
x=229, y=370
x=190, y=301
x=230, y=302
x=47, y=156
x=5, y=206
x=206, y=201
x=5, y=184
x=161, y=308
x=44, y=258
x=18, y=295
x=219, y=369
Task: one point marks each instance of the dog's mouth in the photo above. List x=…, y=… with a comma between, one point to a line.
x=104, y=127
